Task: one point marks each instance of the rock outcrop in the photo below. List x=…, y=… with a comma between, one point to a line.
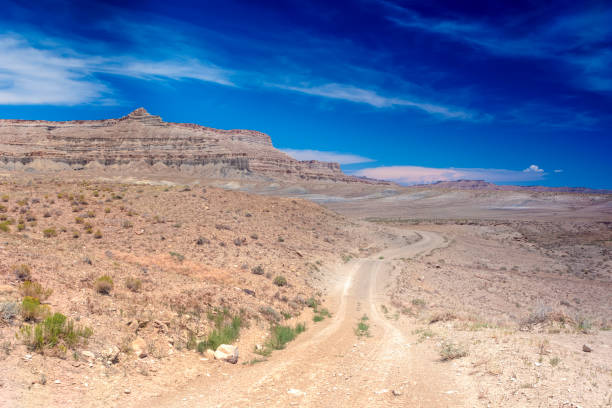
x=144, y=142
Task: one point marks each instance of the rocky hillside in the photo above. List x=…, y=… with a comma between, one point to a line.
x=144, y=142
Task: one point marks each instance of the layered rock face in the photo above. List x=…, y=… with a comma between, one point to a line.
x=143, y=142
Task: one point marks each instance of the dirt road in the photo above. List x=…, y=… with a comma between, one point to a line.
x=329, y=365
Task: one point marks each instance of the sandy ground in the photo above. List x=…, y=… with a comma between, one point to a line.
x=472, y=299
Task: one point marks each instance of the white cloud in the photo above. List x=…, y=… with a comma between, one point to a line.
x=31, y=75
x=425, y=175
x=533, y=169
x=358, y=95
x=341, y=158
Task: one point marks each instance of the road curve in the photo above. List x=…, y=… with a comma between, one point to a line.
x=329, y=365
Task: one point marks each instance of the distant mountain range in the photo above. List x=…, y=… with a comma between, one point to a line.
x=484, y=185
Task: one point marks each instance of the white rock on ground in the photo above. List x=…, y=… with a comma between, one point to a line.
x=210, y=354
x=139, y=346
x=227, y=352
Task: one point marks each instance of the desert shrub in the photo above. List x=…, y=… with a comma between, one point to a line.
x=202, y=241
x=47, y=214
x=133, y=284
x=21, y=226
x=91, y=214
x=363, y=328
x=22, y=272
x=311, y=302
x=269, y=312
x=442, y=317
x=98, y=234
x=8, y=311
x=451, y=351
x=104, y=285
x=224, y=333
x=49, y=233
x=76, y=234
x=221, y=227
x=281, y=239
x=2, y=208
x=281, y=335
x=107, y=210
x=280, y=281
x=317, y=318
x=254, y=236
x=239, y=241
x=418, y=302
x=583, y=324
x=34, y=290
x=5, y=198
x=127, y=224
x=177, y=256
x=55, y=331
x=79, y=220
x=31, y=309
x=96, y=193
x=258, y=270
x=4, y=226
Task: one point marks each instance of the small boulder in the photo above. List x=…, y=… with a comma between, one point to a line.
x=139, y=347
x=210, y=354
x=110, y=354
x=89, y=356
x=227, y=352
x=586, y=348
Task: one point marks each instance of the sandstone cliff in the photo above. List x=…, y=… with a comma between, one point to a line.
x=144, y=142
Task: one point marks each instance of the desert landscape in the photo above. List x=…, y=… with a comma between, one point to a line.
x=153, y=264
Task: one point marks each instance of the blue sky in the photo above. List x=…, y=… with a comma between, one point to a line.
x=515, y=93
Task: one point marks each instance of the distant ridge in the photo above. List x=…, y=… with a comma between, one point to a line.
x=141, y=142
x=485, y=185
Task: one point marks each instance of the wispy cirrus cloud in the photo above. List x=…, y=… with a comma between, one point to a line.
x=35, y=75
x=577, y=40
x=355, y=94
x=424, y=175
x=341, y=158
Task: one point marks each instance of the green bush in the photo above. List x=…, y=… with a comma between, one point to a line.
x=311, y=302
x=104, y=284
x=31, y=309
x=280, y=281
x=362, y=327
x=224, y=333
x=49, y=233
x=281, y=335
x=4, y=226
x=317, y=318
x=55, y=331
x=34, y=290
